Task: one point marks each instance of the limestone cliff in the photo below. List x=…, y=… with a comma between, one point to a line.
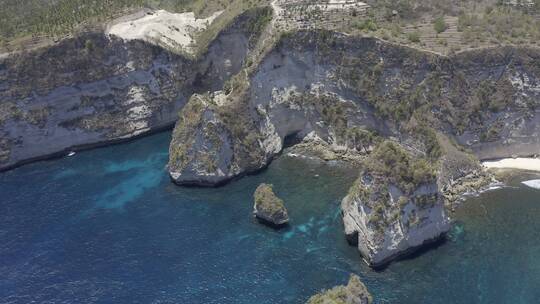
x=96, y=88
x=340, y=89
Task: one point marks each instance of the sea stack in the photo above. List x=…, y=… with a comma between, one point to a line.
x=354, y=293
x=268, y=208
x=395, y=207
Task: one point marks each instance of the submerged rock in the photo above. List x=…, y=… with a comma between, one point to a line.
x=268, y=207
x=394, y=207
x=354, y=293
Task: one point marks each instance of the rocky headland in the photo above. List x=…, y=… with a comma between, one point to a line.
x=348, y=90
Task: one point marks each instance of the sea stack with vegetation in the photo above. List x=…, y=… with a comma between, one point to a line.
x=268, y=208
x=355, y=292
x=395, y=206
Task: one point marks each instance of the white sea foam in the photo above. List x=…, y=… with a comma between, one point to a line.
x=493, y=188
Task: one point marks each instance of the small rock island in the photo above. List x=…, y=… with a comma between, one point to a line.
x=268, y=208
x=354, y=293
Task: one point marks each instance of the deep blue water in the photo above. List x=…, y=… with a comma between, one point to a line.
x=107, y=226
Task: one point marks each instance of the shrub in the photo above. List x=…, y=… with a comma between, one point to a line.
x=440, y=25
x=414, y=37
x=367, y=25
x=391, y=160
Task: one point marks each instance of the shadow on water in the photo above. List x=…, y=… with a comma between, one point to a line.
x=414, y=253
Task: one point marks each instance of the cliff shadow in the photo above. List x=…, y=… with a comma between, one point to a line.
x=412, y=253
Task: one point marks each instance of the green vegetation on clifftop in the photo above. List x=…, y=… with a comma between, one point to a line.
x=395, y=163
x=48, y=18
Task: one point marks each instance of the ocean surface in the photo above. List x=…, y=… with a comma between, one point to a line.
x=107, y=226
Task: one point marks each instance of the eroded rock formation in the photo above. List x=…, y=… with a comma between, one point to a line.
x=268, y=207
x=395, y=206
x=321, y=85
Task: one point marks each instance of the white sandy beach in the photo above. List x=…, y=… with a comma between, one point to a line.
x=161, y=27
x=535, y=183
x=531, y=164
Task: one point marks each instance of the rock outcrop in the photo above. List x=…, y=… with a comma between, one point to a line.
x=211, y=144
x=96, y=88
x=460, y=173
x=269, y=208
x=354, y=293
x=395, y=206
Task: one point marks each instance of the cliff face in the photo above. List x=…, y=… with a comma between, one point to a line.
x=96, y=88
x=338, y=89
x=500, y=88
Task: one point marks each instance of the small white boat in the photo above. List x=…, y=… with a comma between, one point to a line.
x=71, y=153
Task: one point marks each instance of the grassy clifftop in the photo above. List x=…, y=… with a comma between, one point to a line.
x=36, y=22
x=436, y=25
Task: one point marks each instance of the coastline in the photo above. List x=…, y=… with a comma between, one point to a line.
x=89, y=146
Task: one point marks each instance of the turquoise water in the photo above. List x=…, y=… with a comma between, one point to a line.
x=107, y=226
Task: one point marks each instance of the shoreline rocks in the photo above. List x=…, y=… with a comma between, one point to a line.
x=268, y=208
x=355, y=292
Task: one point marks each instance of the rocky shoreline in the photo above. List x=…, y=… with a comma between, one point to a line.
x=225, y=135
x=414, y=123
x=86, y=147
